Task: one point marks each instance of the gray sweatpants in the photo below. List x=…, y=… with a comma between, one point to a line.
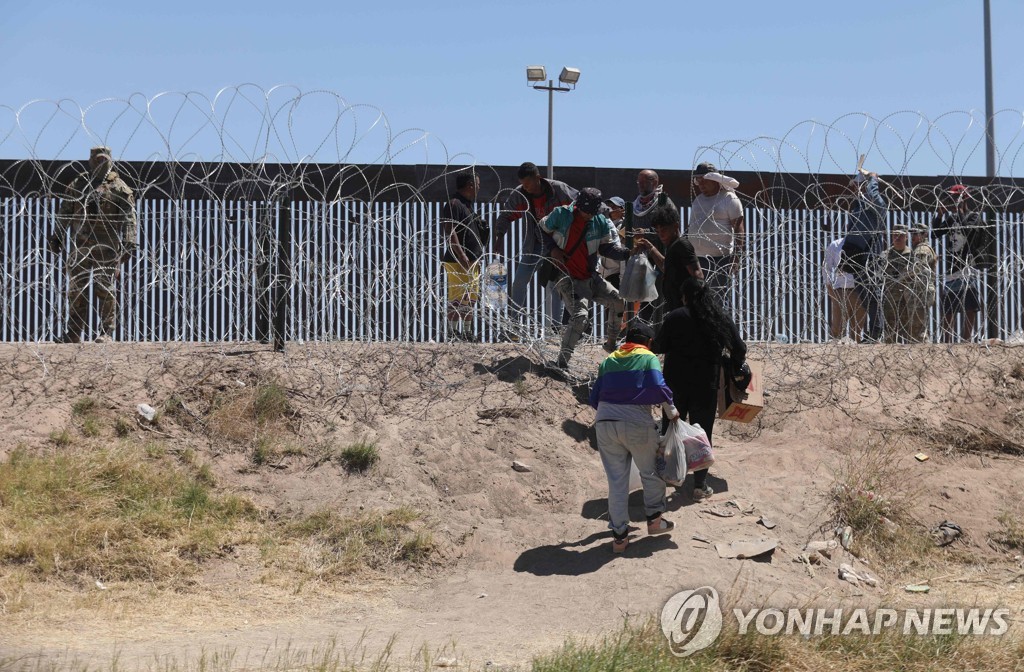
x=620, y=443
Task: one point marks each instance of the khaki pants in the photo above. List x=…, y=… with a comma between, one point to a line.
x=899, y=306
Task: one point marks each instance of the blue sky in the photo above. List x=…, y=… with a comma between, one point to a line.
x=659, y=80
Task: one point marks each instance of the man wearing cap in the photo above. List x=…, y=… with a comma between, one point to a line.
x=897, y=292
x=716, y=227
x=576, y=234
x=923, y=283
x=629, y=382
x=614, y=208
x=959, y=223
x=98, y=210
x=534, y=198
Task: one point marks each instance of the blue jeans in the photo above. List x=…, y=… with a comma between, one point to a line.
x=530, y=257
x=619, y=444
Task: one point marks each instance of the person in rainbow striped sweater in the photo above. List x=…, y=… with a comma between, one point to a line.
x=629, y=383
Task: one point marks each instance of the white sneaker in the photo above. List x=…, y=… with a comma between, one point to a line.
x=701, y=495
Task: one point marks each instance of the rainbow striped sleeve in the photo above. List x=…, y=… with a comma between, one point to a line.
x=630, y=375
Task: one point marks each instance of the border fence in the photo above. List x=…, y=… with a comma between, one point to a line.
x=309, y=253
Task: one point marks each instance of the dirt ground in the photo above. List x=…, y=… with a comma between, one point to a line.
x=524, y=559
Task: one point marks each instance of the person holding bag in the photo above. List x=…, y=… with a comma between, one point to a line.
x=628, y=383
x=693, y=339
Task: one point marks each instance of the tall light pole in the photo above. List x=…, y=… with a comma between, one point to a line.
x=990, y=122
x=538, y=73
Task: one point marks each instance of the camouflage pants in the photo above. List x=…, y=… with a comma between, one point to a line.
x=102, y=278
x=906, y=314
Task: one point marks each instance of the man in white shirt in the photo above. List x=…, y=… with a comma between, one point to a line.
x=844, y=304
x=716, y=227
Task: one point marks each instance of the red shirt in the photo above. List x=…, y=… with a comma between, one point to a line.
x=539, y=205
x=578, y=264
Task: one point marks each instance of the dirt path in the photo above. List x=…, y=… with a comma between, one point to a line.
x=531, y=564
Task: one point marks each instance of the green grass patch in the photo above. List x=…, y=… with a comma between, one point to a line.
x=61, y=438
x=359, y=457
x=123, y=427
x=91, y=427
x=264, y=452
x=83, y=406
x=270, y=403
x=111, y=514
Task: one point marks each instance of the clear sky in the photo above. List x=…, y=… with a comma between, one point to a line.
x=659, y=79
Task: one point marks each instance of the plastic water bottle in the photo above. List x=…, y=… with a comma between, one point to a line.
x=495, y=294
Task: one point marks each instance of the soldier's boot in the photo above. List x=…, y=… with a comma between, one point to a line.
x=69, y=336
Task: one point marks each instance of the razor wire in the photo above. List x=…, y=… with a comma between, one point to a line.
x=256, y=199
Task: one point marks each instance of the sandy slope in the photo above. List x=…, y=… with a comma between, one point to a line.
x=526, y=558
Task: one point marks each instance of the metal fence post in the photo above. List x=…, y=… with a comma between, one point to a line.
x=264, y=251
x=283, y=274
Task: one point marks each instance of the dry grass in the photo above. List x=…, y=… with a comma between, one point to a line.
x=256, y=416
x=336, y=546
x=869, y=489
x=132, y=512
x=1011, y=528
x=644, y=647
x=111, y=514
x=964, y=438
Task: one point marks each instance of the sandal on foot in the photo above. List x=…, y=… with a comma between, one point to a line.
x=620, y=545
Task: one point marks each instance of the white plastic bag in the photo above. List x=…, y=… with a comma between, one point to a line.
x=671, y=461
x=686, y=449
x=637, y=282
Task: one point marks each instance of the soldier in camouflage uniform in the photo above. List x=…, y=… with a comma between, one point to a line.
x=923, y=273
x=98, y=209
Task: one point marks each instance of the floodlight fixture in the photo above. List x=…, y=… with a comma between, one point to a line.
x=569, y=76
x=536, y=73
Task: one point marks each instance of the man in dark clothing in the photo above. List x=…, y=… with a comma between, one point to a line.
x=534, y=198
x=465, y=232
x=679, y=260
x=863, y=245
x=962, y=229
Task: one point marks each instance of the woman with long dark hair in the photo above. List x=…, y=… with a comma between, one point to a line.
x=693, y=339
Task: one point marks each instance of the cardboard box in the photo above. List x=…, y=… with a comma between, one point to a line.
x=742, y=406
